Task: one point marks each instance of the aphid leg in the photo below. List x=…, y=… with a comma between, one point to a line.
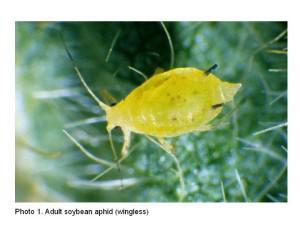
x=100, y=103
x=87, y=153
x=126, y=143
x=179, y=170
x=168, y=146
x=114, y=153
x=213, y=67
x=113, y=166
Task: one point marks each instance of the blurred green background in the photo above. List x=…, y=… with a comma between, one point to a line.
x=244, y=159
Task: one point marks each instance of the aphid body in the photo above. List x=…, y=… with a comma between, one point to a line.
x=171, y=103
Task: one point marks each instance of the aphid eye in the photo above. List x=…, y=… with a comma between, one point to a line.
x=113, y=104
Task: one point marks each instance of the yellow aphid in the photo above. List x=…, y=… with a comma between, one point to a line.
x=172, y=103
x=169, y=104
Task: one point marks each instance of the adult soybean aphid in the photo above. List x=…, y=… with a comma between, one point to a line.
x=168, y=104
x=171, y=103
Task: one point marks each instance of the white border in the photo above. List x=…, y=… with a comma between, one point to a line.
x=258, y=213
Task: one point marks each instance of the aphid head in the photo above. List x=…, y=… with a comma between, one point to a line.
x=114, y=117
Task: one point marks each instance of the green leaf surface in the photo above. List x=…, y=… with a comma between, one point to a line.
x=244, y=159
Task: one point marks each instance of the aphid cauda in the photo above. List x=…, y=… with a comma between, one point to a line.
x=168, y=104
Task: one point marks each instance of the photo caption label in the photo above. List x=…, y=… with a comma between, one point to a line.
x=80, y=211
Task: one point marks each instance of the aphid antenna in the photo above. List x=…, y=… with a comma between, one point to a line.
x=101, y=104
x=179, y=170
x=213, y=67
x=86, y=152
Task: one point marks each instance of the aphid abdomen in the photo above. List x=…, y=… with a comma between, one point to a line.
x=168, y=108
